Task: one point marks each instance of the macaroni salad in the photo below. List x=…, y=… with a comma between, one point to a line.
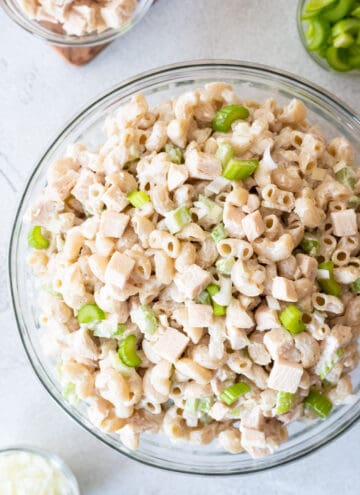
x=79, y=17
x=199, y=271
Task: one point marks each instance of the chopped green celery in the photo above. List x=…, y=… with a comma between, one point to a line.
x=205, y=404
x=356, y=12
x=58, y=369
x=227, y=115
x=328, y=366
x=337, y=58
x=145, y=318
x=105, y=329
x=36, y=238
x=339, y=10
x=310, y=246
x=318, y=33
x=224, y=265
x=213, y=210
x=314, y=7
x=127, y=352
x=235, y=412
x=212, y=289
x=138, y=198
x=224, y=153
x=291, y=319
x=176, y=220
x=230, y=394
x=328, y=284
x=284, y=402
x=120, y=330
x=355, y=286
x=354, y=54
x=354, y=202
x=237, y=169
x=218, y=310
x=343, y=40
x=175, y=154
x=219, y=233
x=204, y=298
x=318, y=403
x=346, y=176
x=90, y=313
x=191, y=405
x=69, y=393
x=201, y=405
x=348, y=25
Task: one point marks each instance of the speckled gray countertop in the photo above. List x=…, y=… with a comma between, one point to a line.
x=38, y=93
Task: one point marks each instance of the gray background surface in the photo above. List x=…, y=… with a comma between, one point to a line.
x=38, y=94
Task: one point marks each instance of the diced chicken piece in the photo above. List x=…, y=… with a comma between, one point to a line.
x=237, y=337
x=202, y=165
x=82, y=186
x=200, y=315
x=233, y=217
x=60, y=187
x=171, y=344
x=237, y=316
x=43, y=211
x=74, y=241
x=341, y=335
x=278, y=341
x=90, y=227
x=285, y=376
x=258, y=352
x=266, y=318
x=193, y=370
x=119, y=269
x=218, y=411
x=252, y=438
x=341, y=394
x=253, y=225
x=115, y=199
x=192, y=281
x=308, y=265
x=81, y=345
x=252, y=418
x=311, y=216
x=177, y=175
x=344, y=223
x=113, y=224
x=98, y=264
x=284, y=289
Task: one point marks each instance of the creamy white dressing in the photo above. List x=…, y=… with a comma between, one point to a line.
x=25, y=473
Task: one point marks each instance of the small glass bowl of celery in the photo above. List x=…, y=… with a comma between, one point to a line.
x=330, y=33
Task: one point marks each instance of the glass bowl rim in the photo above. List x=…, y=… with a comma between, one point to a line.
x=354, y=73
x=67, y=40
x=148, y=76
x=48, y=456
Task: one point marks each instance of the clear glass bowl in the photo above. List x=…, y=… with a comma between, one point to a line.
x=252, y=82
x=48, y=33
x=72, y=487
x=301, y=25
